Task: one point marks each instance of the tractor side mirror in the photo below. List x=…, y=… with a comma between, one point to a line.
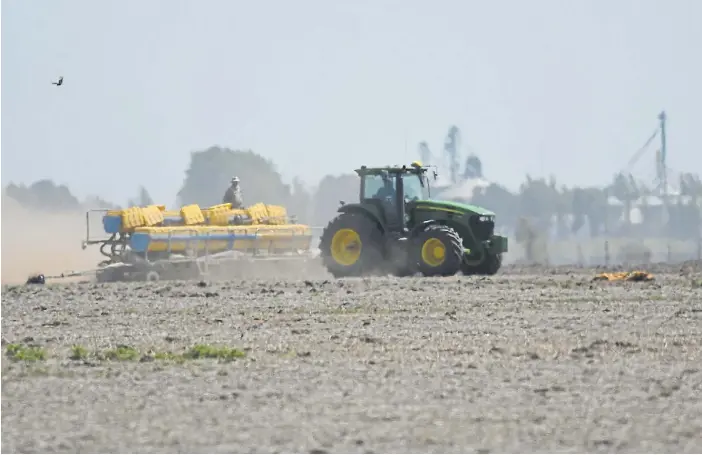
x=342, y=203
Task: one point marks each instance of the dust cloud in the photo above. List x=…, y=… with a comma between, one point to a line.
x=36, y=242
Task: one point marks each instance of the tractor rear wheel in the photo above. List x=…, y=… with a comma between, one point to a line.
x=438, y=251
x=351, y=245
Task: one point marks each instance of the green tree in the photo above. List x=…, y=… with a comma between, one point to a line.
x=145, y=197
x=473, y=168
x=142, y=200
x=425, y=153
x=500, y=200
x=331, y=190
x=211, y=170
x=562, y=206
x=526, y=235
x=688, y=220
x=625, y=189
x=96, y=202
x=589, y=205
x=538, y=200
x=43, y=195
x=300, y=202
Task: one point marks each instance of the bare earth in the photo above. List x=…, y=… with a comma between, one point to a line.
x=529, y=360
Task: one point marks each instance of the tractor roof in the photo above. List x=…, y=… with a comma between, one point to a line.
x=414, y=168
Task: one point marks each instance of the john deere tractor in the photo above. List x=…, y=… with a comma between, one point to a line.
x=397, y=228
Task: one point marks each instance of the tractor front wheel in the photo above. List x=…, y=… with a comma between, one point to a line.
x=490, y=266
x=351, y=245
x=438, y=251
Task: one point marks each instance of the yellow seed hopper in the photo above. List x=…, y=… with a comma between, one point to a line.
x=140, y=237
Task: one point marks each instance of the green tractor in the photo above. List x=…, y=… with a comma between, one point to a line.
x=397, y=228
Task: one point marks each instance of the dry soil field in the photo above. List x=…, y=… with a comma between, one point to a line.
x=529, y=360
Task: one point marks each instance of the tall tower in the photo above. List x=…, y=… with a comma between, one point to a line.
x=661, y=166
x=451, y=149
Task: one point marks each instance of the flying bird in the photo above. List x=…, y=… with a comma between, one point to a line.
x=60, y=81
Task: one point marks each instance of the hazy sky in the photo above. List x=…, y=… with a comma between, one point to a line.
x=565, y=87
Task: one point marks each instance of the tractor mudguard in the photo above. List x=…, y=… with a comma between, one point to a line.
x=460, y=229
x=366, y=210
x=421, y=226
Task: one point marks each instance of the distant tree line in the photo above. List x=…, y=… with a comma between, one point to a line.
x=541, y=205
x=625, y=208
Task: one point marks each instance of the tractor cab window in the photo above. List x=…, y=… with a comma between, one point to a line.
x=416, y=187
x=375, y=187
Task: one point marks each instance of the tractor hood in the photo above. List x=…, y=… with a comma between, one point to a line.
x=454, y=206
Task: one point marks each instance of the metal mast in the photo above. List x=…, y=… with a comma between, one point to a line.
x=662, y=167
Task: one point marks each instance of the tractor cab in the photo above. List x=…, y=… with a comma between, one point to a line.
x=393, y=189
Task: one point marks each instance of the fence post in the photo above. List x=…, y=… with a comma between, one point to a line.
x=606, y=253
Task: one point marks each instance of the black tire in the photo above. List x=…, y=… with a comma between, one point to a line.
x=451, y=244
x=490, y=266
x=152, y=275
x=366, y=256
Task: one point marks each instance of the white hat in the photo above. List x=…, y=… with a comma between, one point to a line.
x=235, y=179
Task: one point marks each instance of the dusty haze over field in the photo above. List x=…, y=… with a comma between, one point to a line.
x=34, y=242
x=570, y=88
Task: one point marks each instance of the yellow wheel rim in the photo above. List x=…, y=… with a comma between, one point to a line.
x=433, y=252
x=346, y=247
